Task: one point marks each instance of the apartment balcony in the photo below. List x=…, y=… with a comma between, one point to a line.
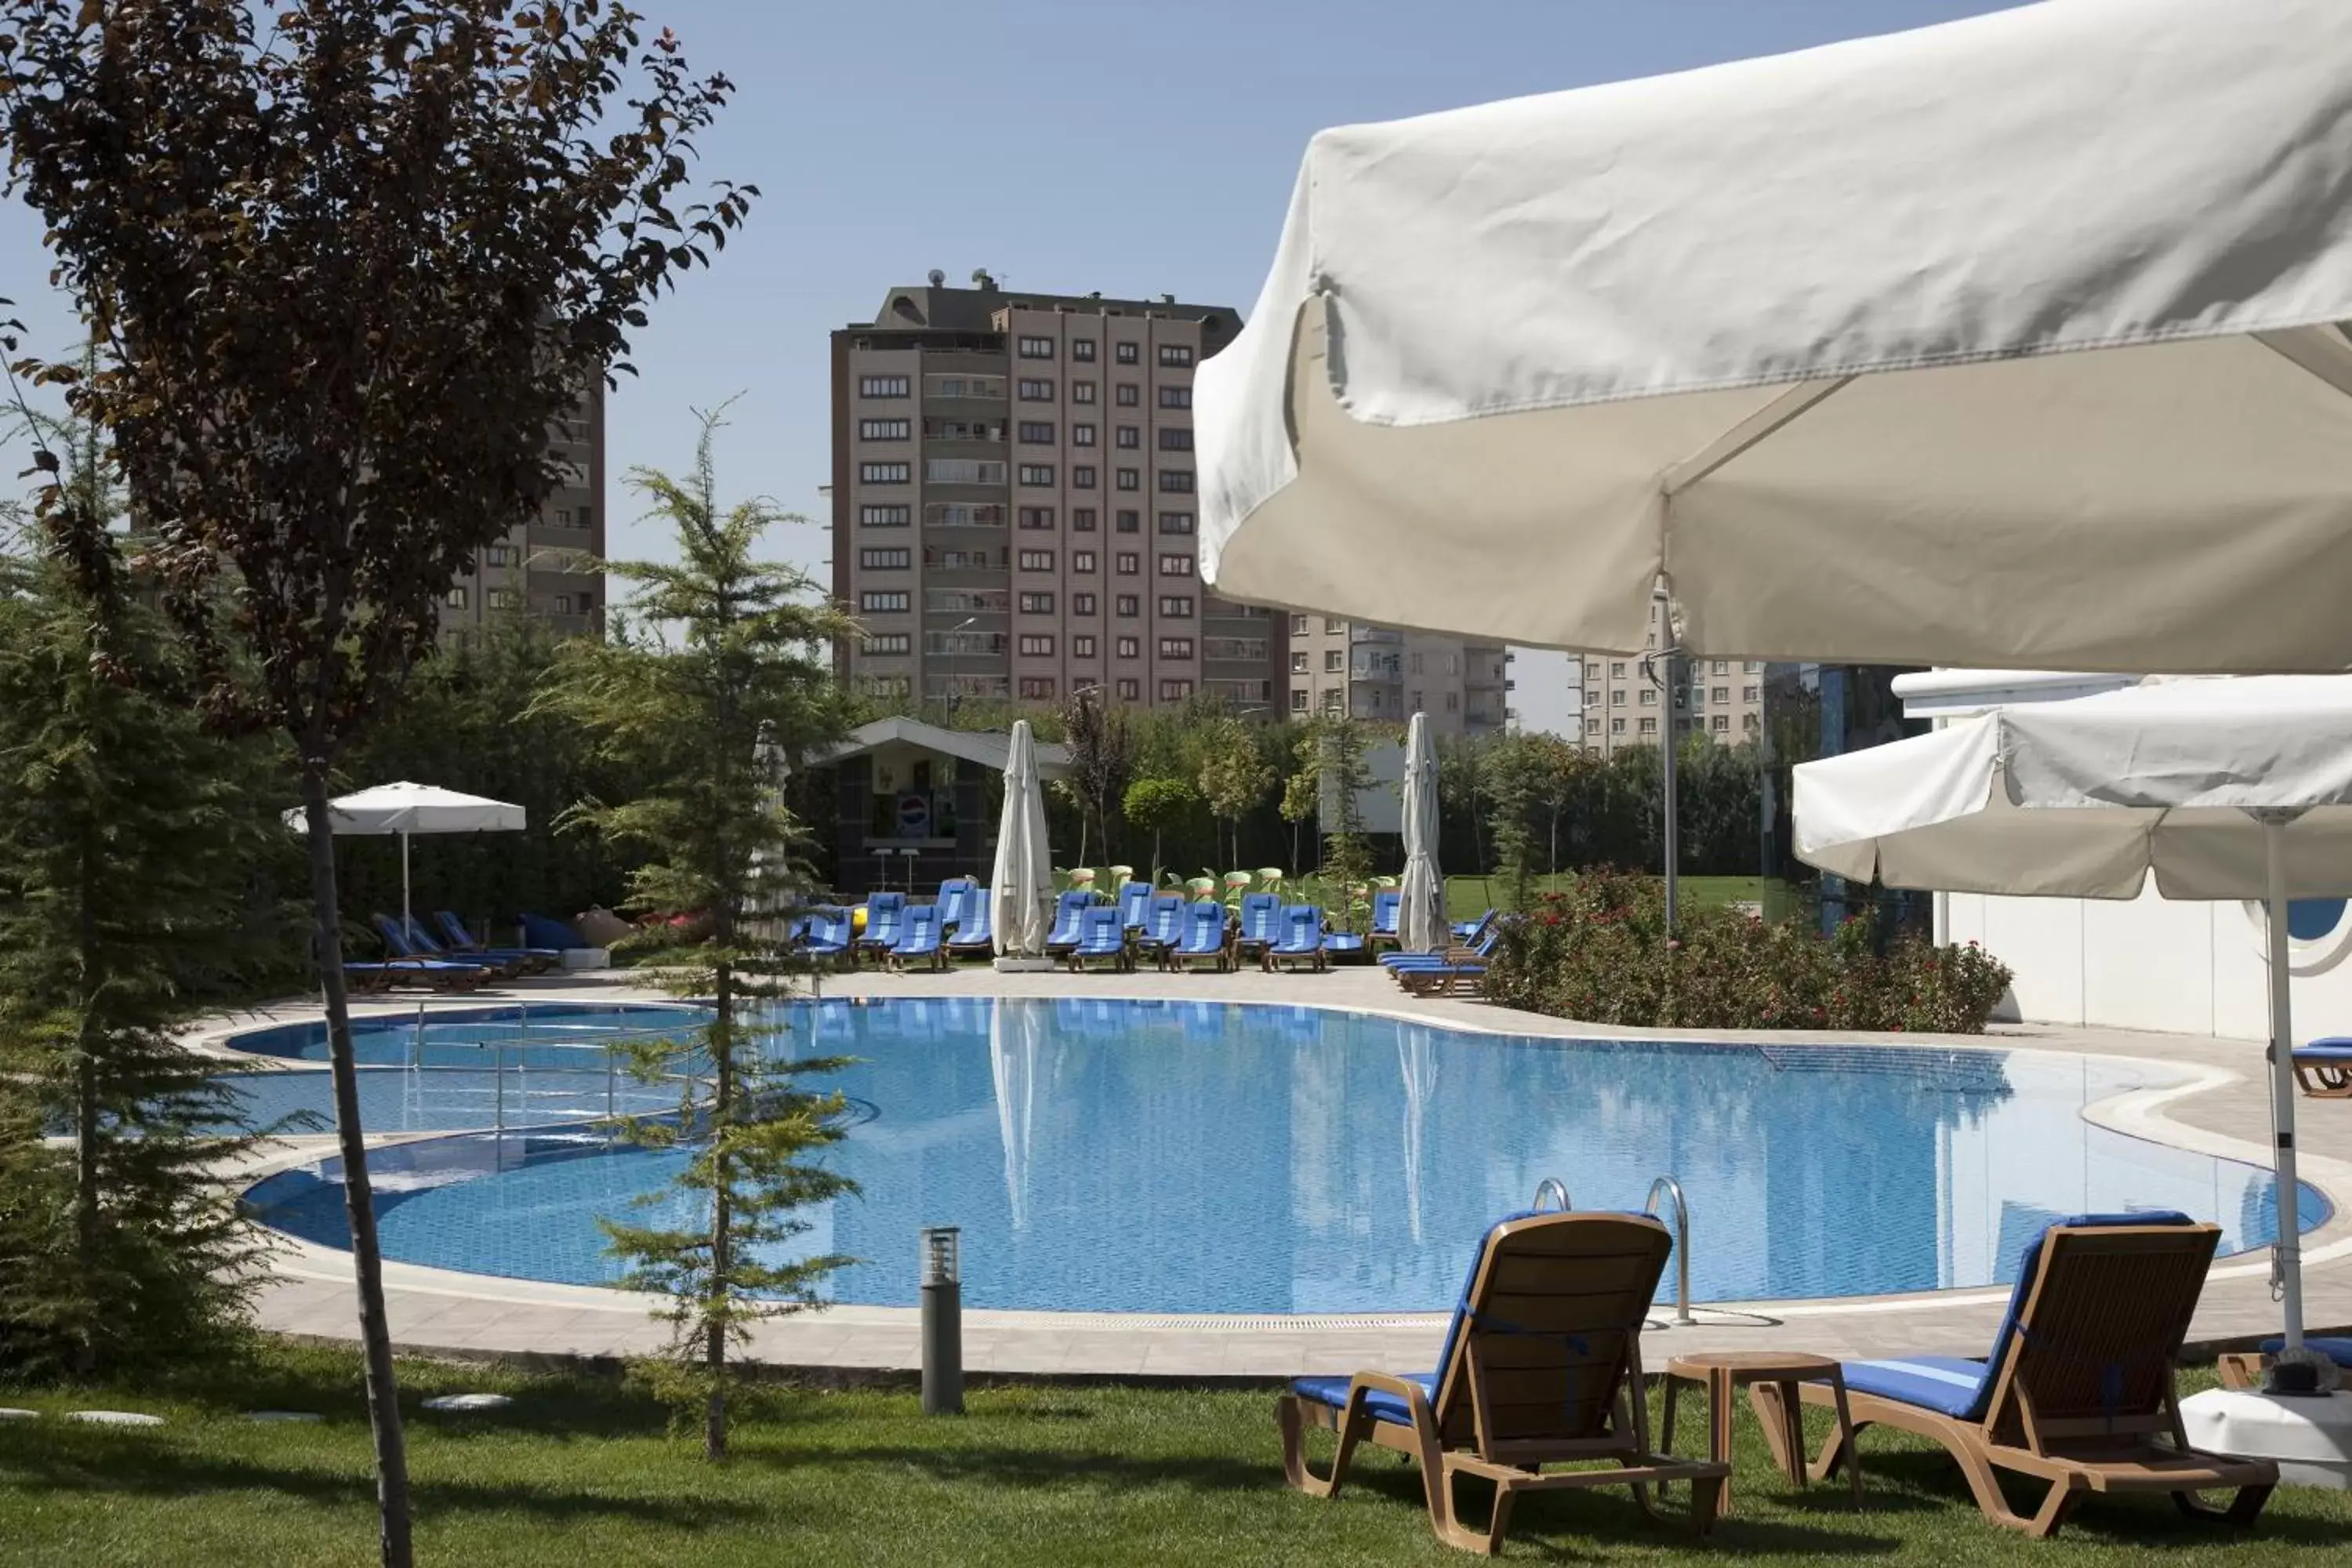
x=1379, y=669
x=1360, y=635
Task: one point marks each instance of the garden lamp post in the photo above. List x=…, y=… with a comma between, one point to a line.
x=955, y=647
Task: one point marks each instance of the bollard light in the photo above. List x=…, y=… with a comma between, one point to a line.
x=942, y=1286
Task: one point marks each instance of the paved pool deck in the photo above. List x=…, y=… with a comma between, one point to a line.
x=2219, y=1104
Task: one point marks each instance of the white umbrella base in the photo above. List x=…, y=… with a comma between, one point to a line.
x=2310, y=1435
x=1026, y=966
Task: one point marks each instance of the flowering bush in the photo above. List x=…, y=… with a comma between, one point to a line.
x=1600, y=952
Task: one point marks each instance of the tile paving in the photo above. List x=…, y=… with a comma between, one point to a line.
x=2223, y=1109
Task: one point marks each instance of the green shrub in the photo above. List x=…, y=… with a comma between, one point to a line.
x=1600, y=952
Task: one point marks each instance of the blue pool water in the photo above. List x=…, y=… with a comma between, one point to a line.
x=1124, y=1156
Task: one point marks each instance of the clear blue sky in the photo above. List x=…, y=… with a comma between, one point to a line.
x=1065, y=145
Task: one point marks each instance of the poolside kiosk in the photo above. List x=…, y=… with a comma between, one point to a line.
x=913, y=806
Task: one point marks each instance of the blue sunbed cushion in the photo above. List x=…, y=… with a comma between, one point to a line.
x=2338, y=1351
x=2337, y=1048
x=541, y=931
x=1945, y=1383
x=1379, y=1402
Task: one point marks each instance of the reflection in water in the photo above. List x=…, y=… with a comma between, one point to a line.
x=1200, y=1157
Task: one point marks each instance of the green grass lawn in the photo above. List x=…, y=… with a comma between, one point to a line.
x=581, y=1471
x=1467, y=897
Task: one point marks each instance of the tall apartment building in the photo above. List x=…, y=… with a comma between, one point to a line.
x=1380, y=673
x=537, y=570
x=1722, y=699
x=1545, y=693
x=1013, y=502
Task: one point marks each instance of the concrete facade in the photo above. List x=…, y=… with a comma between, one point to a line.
x=537, y=570
x=1013, y=502
x=1722, y=699
x=1387, y=675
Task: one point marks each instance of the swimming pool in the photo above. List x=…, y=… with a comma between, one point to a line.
x=1184, y=1157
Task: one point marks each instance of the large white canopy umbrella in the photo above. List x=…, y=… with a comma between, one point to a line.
x=1422, y=925
x=413, y=808
x=1877, y=353
x=2223, y=789
x=1022, y=885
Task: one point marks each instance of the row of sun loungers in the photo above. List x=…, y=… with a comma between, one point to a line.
x=454, y=960
x=1542, y=1364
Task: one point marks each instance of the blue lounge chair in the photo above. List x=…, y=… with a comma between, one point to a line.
x=1163, y=925
x=1067, y=910
x=1544, y=1347
x=1388, y=909
x=1465, y=930
x=883, y=913
x=1134, y=905
x=431, y=973
x=1204, y=939
x=954, y=897
x=1479, y=950
x=975, y=933
x=538, y=931
x=1299, y=936
x=918, y=939
x=2242, y=1370
x=1101, y=936
x=1339, y=945
x=2323, y=1067
x=1258, y=925
x=822, y=933
x=520, y=960
x=401, y=946
x=2078, y=1392
x=461, y=943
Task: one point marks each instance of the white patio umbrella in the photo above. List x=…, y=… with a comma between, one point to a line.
x=1022, y=885
x=413, y=808
x=1422, y=925
x=2223, y=789
x=1876, y=352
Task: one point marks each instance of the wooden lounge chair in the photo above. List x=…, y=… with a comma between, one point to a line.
x=1298, y=938
x=975, y=933
x=1101, y=936
x=918, y=940
x=2078, y=1392
x=1388, y=911
x=883, y=913
x=1063, y=935
x=1541, y=1364
x=1203, y=939
x=2324, y=1069
x=1255, y=926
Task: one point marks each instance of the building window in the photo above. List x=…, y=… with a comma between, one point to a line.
x=1130, y=564
x=1649, y=696
x=1174, y=440
x=888, y=642
x=1175, y=690
x=967, y=386
x=1082, y=604
x=1129, y=395
x=1036, y=604
x=1175, y=566
x=1082, y=434
x=1176, y=481
x=1082, y=648
x=1616, y=726
x=587, y=516
x=1130, y=647
x=456, y=599
x=1036, y=561
x=897, y=560
x=878, y=474
x=1082, y=391
x=882, y=429
x=1129, y=478
x=1175, y=355
x=1035, y=391
x=1082, y=561
x=1081, y=349
x=964, y=514
x=1039, y=474
x=1453, y=702
x=1298, y=663
x=1130, y=690
x=1334, y=659
x=1175, y=522
x=1175, y=397
x=1722, y=667
x=1752, y=667
x=1299, y=625
x=895, y=515
x=1176, y=607
x=958, y=471
x=1036, y=517
x=1035, y=433
x=1127, y=606
x=1037, y=646
x=1298, y=702
x=1082, y=519
x=1617, y=671
x=1036, y=688
x=882, y=386
x=1592, y=726
x=887, y=685
x=1721, y=724
x=498, y=555
x=1129, y=522
x=1649, y=726
x=881, y=604
x=1721, y=694
x=1750, y=722
x=1331, y=695
x=1175, y=648
x=1617, y=697
x=1333, y=625
x=1130, y=438
x=1082, y=476
x=1036, y=348
x=1129, y=354
x=1747, y=693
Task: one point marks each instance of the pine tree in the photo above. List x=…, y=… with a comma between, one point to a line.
x=741, y=691
x=134, y=843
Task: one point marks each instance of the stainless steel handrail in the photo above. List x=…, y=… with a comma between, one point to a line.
x=1673, y=1190
x=1552, y=1185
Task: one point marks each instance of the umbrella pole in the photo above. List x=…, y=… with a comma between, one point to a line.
x=406, y=917
x=2289, y=1249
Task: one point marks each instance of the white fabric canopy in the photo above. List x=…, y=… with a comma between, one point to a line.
x=1880, y=352
x=1022, y=885
x=412, y=808
x=2223, y=789
x=1422, y=926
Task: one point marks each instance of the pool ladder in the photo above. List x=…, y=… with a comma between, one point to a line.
x=1554, y=1188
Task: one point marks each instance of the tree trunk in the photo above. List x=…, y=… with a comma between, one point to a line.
x=359, y=1203
x=86, y=1133
x=722, y=1104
